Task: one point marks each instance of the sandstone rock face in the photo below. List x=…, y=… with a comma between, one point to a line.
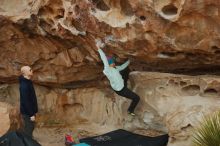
x=173, y=104
x=178, y=101
x=4, y=120
x=56, y=37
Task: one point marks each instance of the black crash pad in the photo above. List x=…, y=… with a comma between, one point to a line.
x=17, y=139
x=125, y=138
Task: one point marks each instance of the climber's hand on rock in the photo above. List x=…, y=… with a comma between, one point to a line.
x=99, y=43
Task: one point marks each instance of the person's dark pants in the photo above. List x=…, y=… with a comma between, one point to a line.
x=28, y=125
x=125, y=75
x=127, y=93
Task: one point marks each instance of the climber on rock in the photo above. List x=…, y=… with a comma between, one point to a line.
x=118, y=84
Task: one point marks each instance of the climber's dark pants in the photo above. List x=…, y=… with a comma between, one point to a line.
x=125, y=75
x=127, y=93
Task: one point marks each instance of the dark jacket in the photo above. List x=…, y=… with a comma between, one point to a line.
x=28, y=100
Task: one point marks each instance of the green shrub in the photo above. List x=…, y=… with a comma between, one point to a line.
x=208, y=134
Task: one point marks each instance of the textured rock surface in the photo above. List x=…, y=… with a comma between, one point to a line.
x=57, y=37
x=178, y=101
x=169, y=103
x=4, y=120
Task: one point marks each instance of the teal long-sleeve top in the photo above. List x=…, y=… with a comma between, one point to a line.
x=113, y=74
